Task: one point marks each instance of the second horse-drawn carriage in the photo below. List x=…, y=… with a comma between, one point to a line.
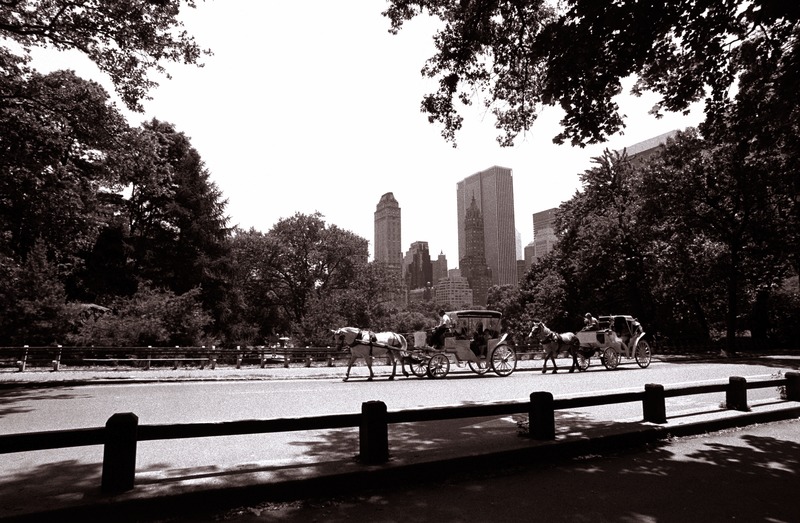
x=613, y=338
x=473, y=338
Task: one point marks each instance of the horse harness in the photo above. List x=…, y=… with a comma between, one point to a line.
x=359, y=341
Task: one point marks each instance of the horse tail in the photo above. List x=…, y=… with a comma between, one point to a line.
x=403, y=342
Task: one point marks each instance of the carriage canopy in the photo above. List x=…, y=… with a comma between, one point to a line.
x=467, y=322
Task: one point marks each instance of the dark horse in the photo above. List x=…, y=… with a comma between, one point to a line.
x=553, y=343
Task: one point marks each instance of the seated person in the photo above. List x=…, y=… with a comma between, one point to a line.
x=480, y=341
x=437, y=337
x=589, y=322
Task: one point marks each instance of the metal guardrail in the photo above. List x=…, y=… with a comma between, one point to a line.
x=122, y=431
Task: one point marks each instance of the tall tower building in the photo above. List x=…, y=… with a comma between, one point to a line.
x=473, y=265
x=439, y=266
x=388, y=248
x=493, y=190
x=544, y=232
x=418, y=269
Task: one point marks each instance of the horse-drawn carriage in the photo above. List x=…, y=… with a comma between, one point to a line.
x=614, y=337
x=610, y=338
x=473, y=338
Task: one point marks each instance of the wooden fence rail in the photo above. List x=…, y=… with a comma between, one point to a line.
x=122, y=431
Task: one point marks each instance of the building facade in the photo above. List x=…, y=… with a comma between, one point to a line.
x=493, y=191
x=473, y=265
x=544, y=232
x=388, y=247
x=417, y=268
x=454, y=292
x=439, y=268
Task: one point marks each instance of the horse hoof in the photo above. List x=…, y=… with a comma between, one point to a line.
x=391, y=378
x=369, y=379
x=345, y=378
x=554, y=371
x=544, y=371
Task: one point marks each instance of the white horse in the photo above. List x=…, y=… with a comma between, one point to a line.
x=367, y=344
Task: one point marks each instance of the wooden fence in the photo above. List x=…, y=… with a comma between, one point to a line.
x=122, y=431
x=58, y=357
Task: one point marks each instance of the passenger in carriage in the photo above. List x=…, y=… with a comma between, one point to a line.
x=480, y=341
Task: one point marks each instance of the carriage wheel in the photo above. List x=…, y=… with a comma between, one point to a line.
x=642, y=354
x=583, y=361
x=419, y=368
x=610, y=358
x=504, y=360
x=438, y=366
x=479, y=367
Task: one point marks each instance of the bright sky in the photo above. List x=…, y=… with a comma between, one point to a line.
x=313, y=106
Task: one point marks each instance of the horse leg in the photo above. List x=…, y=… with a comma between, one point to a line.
x=369, y=366
x=574, y=354
x=544, y=364
x=555, y=367
x=349, y=365
x=394, y=365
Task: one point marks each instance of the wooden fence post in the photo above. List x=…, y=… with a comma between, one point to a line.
x=213, y=358
x=736, y=394
x=541, y=416
x=57, y=361
x=24, y=361
x=238, y=356
x=119, y=453
x=175, y=363
x=147, y=365
x=654, y=403
x=793, y=386
x=373, y=433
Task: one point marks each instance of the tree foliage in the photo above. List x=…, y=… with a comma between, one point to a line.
x=150, y=317
x=524, y=55
x=127, y=39
x=59, y=137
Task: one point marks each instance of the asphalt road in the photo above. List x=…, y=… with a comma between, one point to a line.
x=738, y=475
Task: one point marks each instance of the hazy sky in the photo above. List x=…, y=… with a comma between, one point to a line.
x=313, y=106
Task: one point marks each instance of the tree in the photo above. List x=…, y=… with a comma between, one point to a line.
x=527, y=54
x=303, y=275
x=127, y=39
x=35, y=311
x=726, y=197
x=149, y=317
x=59, y=137
x=177, y=224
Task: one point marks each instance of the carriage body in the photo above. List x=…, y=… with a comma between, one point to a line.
x=616, y=336
x=474, y=339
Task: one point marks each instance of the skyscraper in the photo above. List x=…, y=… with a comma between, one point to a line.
x=388, y=248
x=473, y=264
x=418, y=268
x=493, y=190
x=544, y=233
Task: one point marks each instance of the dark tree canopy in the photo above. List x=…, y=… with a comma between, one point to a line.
x=127, y=39
x=527, y=54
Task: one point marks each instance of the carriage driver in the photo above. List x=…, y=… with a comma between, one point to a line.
x=589, y=322
x=437, y=338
